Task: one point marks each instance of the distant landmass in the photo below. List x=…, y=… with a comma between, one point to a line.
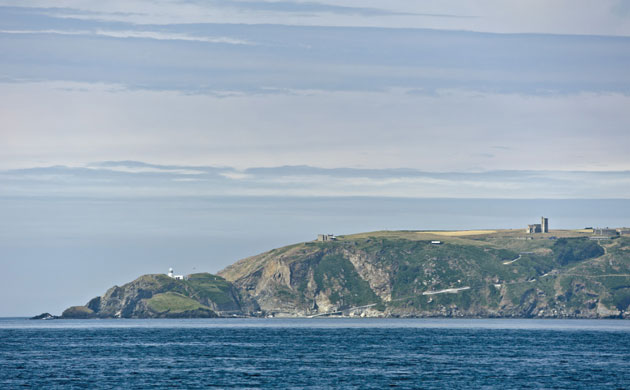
x=502, y=273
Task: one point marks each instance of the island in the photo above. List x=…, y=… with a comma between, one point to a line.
x=516, y=273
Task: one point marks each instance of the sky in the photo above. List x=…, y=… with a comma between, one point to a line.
x=138, y=135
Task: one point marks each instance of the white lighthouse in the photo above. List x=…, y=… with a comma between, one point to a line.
x=172, y=275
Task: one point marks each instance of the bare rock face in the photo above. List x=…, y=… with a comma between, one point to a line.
x=303, y=282
x=377, y=274
x=323, y=304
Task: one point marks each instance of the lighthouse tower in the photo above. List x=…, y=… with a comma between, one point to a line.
x=170, y=272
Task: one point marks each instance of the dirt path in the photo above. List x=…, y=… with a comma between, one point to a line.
x=446, y=291
x=511, y=261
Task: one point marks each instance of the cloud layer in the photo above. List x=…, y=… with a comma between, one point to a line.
x=211, y=57
x=450, y=130
x=128, y=179
x=584, y=17
x=315, y=83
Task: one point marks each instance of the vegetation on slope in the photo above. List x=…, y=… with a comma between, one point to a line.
x=336, y=274
x=480, y=273
x=212, y=288
x=158, y=295
x=172, y=303
x=571, y=250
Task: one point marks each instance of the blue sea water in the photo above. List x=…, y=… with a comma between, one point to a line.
x=314, y=354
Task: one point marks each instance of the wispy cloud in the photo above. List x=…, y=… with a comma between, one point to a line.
x=59, y=32
x=157, y=35
x=236, y=175
x=141, y=167
x=272, y=94
x=170, y=37
x=311, y=7
x=147, y=169
x=584, y=17
x=275, y=58
x=298, y=8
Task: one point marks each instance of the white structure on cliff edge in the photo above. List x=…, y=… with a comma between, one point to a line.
x=171, y=275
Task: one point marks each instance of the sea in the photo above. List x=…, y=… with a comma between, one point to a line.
x=314, y=354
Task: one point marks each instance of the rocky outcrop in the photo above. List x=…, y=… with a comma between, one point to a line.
x=159, y=296
x=78, y=312
x=44, y=316
x=377, y=274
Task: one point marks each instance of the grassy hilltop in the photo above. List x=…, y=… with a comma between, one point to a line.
x=483, y=273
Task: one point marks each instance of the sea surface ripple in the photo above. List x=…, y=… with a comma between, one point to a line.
x=314, y=354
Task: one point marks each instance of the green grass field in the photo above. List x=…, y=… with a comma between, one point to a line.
x=173, y=303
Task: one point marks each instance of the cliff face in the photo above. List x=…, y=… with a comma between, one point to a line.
x=158, y=296
x=479, y=276
x=397, y=274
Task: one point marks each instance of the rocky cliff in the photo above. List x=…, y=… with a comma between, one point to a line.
x=404, y=274
x=397, y=274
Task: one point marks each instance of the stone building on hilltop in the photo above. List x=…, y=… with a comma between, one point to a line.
x=542, y=227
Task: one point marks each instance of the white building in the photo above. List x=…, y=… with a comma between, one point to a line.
x=171, y=275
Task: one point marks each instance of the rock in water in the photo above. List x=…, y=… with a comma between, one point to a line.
x=44, y=316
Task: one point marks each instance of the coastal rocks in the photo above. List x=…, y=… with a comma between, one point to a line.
x=323, y=303
x=44, y=316
x=78, y=312
x=603, y=311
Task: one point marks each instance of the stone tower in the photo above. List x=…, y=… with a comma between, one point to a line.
x=544, y=225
